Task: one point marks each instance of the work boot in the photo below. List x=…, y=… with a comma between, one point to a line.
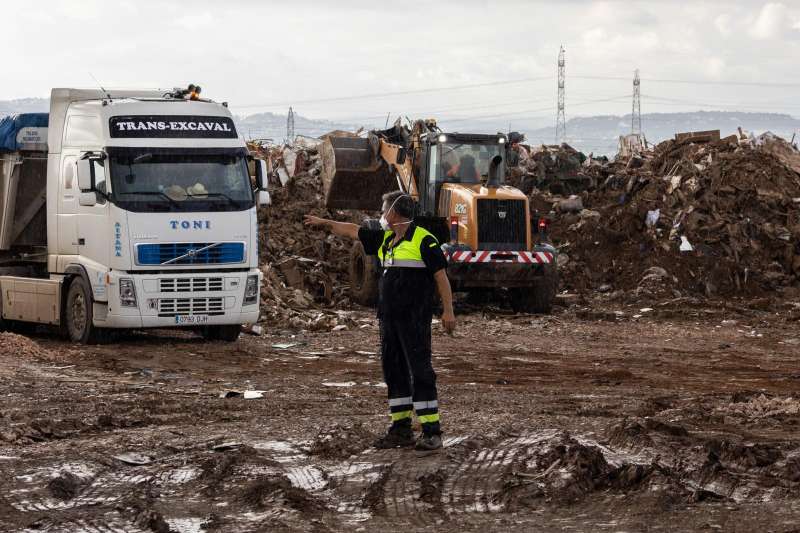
x=428, y=443
x=398, y=436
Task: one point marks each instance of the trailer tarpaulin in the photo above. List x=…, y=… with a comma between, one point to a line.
x=26, y=131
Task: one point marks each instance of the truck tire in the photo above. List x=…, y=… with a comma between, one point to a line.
x=538, y=298
x=363, y=276
x=227, y=333
x=79, y=312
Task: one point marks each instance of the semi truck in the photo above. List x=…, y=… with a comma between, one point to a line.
x=127, y=210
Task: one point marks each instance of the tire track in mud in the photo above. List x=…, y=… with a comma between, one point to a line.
x=468, y=479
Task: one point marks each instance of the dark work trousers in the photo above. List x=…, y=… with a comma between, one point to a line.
x=407, y=369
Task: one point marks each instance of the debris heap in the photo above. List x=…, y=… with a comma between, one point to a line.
x=717, y=217
x=305, y=269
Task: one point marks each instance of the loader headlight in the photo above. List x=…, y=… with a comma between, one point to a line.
x=251, y=290
x=127, y=293
x=501, y=140
x=443, y=138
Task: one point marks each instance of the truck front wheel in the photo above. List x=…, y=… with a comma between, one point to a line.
x=228, y=333
x=79, y=312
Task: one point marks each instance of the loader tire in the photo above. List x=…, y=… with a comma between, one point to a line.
x=79, y=312
x=363, y=276
x=538, y=298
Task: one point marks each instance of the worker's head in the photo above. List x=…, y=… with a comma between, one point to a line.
x=397, y=210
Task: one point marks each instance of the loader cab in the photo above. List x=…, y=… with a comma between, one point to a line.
x=458, y=158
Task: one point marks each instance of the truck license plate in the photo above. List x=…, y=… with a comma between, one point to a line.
x=190, y=319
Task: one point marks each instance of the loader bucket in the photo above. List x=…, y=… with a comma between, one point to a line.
x=352, y=176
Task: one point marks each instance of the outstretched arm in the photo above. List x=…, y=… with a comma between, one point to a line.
x=342, y=229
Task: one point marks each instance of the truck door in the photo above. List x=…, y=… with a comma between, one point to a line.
x=94, y=237
x=68, y=207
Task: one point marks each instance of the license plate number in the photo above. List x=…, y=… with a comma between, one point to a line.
x=191, y=319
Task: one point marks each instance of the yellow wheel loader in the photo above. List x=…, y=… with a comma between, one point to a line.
x=489, y=238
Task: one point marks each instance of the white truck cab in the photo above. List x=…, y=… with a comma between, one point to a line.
x=150, y=218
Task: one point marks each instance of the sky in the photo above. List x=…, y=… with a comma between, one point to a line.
x=354, y=60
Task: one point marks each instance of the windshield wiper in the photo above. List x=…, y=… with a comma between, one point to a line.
x=230, y=200
x=153, y=193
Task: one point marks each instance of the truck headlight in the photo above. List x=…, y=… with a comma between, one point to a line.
x=127, y=293
x=251, y=290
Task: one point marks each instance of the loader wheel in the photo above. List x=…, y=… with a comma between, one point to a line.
x=227, y=333
x=79, y=312
x=538, y=298
x=363, y=276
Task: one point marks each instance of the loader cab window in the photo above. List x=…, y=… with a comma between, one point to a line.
x=467, y=163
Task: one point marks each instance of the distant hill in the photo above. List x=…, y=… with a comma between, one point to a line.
x=600, y=134
x=273, y=126
x=24, y=105
x=261, y=125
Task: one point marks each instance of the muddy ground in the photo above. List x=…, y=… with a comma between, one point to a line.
x=682, y=418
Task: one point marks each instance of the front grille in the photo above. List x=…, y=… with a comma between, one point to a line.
x=191, y=253
x=502, y=224
x=191, y=306
x=190, y=284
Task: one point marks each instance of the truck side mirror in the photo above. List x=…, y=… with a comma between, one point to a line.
x=85, y=179
x=263, y=198
x=261, y=174
x=87, y=199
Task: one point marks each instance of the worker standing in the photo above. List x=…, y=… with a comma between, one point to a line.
x=412, y=264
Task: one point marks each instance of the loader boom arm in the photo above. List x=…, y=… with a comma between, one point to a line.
x=391, y=154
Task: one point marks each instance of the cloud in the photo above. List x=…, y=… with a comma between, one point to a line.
x=772, y=21
x=276, y=53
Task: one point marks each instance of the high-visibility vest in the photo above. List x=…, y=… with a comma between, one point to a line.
x=407, y=254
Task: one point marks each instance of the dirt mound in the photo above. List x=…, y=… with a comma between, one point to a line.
x=224, y=466
x=762, y=407
x=21, y=346
x=341, y=442
x=66, y=486
x=561, y=471
x=714, y=218
x=270, y=490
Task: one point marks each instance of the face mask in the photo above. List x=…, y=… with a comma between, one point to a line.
x=385, y=223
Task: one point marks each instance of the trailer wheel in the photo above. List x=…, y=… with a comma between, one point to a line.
x=363, y=276
x=227, y=333
x=538, y=298
x=79, y=312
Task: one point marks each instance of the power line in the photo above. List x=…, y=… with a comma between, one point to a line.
x=678, y=101
x=542, y=109
x=395, y=93
x=696, y=82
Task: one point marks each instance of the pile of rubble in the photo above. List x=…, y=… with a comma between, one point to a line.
x=305, y=269
x=22, y=347
x=714, y=217
x=559, y=169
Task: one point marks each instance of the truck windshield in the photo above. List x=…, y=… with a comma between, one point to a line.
x=185, y=179
x=467, y=163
